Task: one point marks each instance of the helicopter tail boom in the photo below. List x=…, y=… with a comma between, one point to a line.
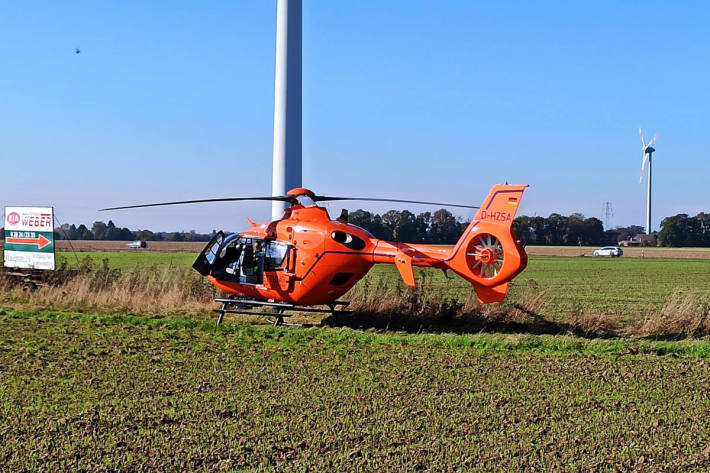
x=489, y=254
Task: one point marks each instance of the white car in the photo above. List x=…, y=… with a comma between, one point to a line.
x=608, y=251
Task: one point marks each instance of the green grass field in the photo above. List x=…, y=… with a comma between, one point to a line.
x=87, y=393
x=624, y=289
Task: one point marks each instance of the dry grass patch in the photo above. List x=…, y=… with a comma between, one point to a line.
x=387, y=304
x=526, y=308
x=389, y=297
x=593, y=323
x=683, y=315
x=145, y=291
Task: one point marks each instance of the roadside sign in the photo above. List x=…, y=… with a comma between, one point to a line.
x=29, y=238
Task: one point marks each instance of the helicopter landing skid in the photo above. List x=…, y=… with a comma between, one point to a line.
x=245, y=306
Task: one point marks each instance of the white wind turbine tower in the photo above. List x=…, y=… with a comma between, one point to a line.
x=647, y=155
x=287, y=102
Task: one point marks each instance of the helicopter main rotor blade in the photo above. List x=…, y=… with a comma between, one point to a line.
x=227, y=199
x=320, y=198
x=289, y=199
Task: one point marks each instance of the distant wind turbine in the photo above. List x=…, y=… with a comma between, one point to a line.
x=647, y=155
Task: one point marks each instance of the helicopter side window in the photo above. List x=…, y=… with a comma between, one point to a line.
x=275, y=255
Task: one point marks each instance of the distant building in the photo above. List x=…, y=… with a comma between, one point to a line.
x=640, y=240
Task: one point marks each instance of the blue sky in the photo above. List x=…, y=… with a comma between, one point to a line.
x=402, y=99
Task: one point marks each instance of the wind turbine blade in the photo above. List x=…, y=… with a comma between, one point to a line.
x=643, y=166
x=653, y=139
x=641, y=135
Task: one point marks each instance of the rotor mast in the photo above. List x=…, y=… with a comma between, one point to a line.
x=287, y=171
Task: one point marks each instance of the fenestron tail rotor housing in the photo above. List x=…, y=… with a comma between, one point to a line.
x=487, y=252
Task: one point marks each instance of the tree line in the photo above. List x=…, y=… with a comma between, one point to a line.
x=683, y=230
x=679, y=230
x=442, y=227
x=572, y=230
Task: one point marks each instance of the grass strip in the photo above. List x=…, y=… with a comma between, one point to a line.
x=482, y=342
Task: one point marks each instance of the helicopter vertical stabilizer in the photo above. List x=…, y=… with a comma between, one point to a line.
x=489, y=254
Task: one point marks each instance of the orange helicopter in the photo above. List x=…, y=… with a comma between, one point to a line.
x=306, y=259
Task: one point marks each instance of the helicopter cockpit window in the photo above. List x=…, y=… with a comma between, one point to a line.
x=239, y=259
x=245, y=259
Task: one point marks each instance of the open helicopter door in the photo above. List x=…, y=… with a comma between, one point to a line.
x=203, y=263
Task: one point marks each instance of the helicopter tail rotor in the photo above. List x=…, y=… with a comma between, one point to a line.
x=489, y=254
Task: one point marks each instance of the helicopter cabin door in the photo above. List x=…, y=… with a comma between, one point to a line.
x=207, y=257
x=278, y=256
